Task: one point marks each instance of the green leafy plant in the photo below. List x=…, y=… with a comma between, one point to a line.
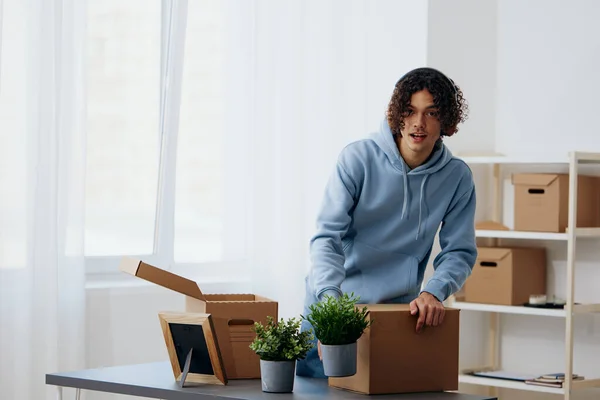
x=338, y=321
x=281, y=341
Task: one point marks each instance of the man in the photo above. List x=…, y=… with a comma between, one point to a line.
x=383, y=205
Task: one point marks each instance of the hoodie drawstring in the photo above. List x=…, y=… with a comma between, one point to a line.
x=405, y=195
x=384, y=138
x=421, y=204
x=405, y=201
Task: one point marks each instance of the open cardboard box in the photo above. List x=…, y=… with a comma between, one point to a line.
x=233, y=315
x=394, y=358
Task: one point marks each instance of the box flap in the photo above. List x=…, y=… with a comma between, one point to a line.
x=534, y=179
x=492, y=254
x=161, y=277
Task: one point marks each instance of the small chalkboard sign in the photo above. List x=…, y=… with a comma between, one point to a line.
x=193, y=348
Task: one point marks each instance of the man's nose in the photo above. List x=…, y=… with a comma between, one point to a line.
x=419, y=121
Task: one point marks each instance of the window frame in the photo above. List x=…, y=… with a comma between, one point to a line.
x=104, y=270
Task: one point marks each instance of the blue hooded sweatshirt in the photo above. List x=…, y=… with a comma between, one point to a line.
x=378, y=221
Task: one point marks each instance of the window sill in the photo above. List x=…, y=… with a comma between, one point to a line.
x=216, y=284
x=217, y=277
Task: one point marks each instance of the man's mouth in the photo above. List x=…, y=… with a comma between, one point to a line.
x=418, y=137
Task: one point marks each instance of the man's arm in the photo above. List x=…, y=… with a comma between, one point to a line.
x=333, y=221
x=455, y=262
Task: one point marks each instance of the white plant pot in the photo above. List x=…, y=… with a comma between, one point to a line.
x=277, y=376
x=339, y=360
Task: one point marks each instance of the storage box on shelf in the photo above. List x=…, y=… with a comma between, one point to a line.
x=541, y=202
x=507, y=276
x=570, y=206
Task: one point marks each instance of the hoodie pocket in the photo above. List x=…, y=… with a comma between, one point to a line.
x=377, y=275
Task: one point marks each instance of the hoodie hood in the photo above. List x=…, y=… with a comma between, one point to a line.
x=384, y=138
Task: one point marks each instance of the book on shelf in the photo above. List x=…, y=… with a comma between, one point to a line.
x=552, y=380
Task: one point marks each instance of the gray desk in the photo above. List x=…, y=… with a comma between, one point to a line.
x=155, y=380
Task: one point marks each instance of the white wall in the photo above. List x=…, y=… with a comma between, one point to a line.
x=528, y=76
x=462, y=44
x=548, y=59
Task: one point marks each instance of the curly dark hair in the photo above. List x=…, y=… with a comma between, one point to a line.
x=447, y=97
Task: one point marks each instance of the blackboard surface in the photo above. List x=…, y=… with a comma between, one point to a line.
x=188, y=337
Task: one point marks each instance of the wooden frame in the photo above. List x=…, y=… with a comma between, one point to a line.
x=193, y=348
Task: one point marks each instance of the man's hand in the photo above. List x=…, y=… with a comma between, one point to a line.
x=431, y=310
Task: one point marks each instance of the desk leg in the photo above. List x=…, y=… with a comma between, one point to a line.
x=59, y=393
x=78, y=394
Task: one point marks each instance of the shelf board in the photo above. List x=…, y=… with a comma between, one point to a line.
x=500, y=234
x=549, y=312
x=581, y=157
x=586, y=383
x=517, y=385
x=521, y=310
x=508, y=384
x=587, y=158
x=586, y=308
x=587, y=232
x=512, y=160
x=520, y=235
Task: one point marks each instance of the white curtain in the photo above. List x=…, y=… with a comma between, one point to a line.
x=42, y=295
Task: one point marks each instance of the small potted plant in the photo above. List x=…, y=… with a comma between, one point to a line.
x=279, y=346
x=338, y=324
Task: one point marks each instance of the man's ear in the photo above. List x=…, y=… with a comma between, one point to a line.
x=450, y=131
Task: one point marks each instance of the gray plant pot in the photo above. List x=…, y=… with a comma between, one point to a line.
x=339, y=360
x=277, y=376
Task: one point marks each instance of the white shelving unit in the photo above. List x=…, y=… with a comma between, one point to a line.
x=574, y=161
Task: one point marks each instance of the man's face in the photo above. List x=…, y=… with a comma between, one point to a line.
x=421, y=124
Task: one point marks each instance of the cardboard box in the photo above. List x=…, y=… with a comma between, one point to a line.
x=542, y=202
x=233, y=315
x=507, y=276
x=394, y=358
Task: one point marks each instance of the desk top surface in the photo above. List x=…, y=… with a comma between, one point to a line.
x=155, y=380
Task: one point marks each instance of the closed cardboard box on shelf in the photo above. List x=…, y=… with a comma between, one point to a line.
x=507, y=276
x=394, y=358
x=541, y=202
x=233, y=315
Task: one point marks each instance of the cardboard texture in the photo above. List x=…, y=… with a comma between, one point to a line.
x=542, y=202
x=507, y=276
x=394, y=358
x=233, y=315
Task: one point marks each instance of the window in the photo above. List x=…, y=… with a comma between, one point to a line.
x=200, y=212
x=123, y=89
x=199, y=196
